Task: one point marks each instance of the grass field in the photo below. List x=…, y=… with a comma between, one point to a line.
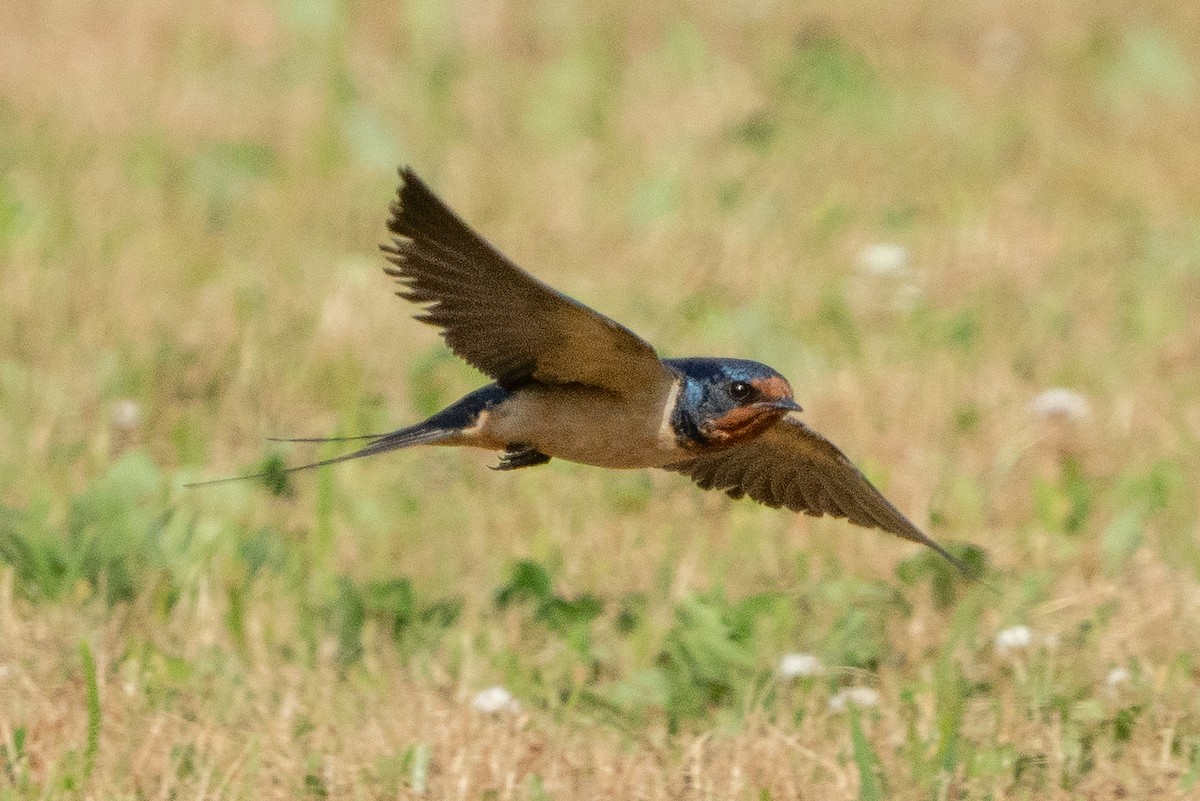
x=926, y=215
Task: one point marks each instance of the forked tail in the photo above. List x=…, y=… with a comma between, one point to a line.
x=447, y=424
x=421, y=434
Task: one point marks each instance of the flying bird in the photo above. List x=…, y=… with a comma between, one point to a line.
x=570, y=383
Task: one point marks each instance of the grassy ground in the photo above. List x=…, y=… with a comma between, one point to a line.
x=190, y=198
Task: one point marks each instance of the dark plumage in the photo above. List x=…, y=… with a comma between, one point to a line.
x=793, y=466
x=496, y=316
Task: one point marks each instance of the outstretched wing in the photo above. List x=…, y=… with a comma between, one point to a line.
x=498, y=317
x=793, y=466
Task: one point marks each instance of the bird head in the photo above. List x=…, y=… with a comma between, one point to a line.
x=726, y=401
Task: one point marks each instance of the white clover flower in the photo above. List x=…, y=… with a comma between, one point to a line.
x=885, y=279
x=854, y=696
x=494, y=700
x=1014, y=638
x=884, y=260
x=796, y=665
x=126, y=414
x=1061, y=403
x=1116, y=677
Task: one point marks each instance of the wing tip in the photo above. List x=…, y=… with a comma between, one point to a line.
x=408, y=177
x=410, y=194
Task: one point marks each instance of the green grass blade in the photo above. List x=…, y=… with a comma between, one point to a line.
x=865, y=759
x=92, y=749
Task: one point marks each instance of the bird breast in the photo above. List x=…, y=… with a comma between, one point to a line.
x=589, y=426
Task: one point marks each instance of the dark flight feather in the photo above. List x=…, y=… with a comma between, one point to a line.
x=791, y=465
x=498, y=317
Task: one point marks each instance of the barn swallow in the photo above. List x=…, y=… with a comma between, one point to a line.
x=570, y=383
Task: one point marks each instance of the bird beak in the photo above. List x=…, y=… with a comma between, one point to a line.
x=787, y=404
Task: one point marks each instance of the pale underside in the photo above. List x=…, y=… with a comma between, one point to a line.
x=582, y=424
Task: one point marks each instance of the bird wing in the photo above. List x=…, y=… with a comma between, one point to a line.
x=791, y=465
x=500, y=318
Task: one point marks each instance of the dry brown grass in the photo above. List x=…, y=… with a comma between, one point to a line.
x=185, y=717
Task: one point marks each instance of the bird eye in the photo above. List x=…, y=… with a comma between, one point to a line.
x=741, y=391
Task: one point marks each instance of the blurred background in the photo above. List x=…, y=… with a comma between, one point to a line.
x=969, y=233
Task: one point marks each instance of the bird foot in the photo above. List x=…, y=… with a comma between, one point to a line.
x=518, y=456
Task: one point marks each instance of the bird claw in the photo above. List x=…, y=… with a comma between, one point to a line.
x=518, y=456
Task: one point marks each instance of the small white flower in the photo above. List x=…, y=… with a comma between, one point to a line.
x=1061, y=403
x=885, y=280
x=126, y=414
x=854, y=696
x=1116, y=677
x=885, y=260
x=1014, y=638
x=4, y=671
x=796, y=665
x=495, y=699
